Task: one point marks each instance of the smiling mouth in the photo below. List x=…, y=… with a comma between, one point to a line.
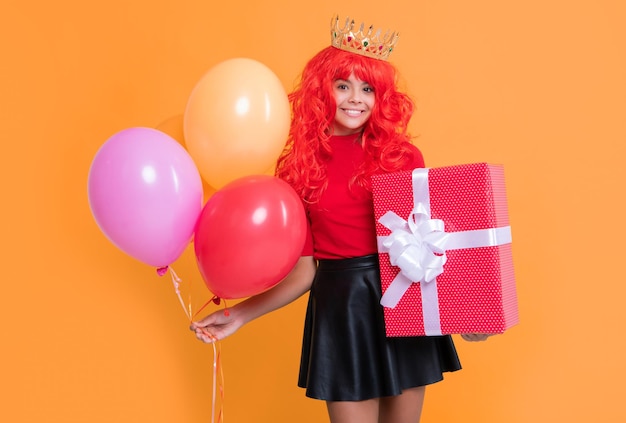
x=352, y=112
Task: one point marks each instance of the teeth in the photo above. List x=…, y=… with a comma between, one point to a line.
x=352, y=112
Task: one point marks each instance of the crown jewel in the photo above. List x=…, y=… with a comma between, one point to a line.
x=368, y=42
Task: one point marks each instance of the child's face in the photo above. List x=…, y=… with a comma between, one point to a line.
x=355, y=100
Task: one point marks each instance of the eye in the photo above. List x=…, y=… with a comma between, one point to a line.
x=368, y=89
x=342, y=86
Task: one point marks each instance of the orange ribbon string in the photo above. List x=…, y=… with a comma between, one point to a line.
x=176, y=282
x=217, y=348
x=217, y=368
x=215, y=300
x=217, y=365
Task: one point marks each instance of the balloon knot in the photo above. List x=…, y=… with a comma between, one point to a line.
x=162, y=270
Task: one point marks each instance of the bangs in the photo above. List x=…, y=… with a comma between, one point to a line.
x=378, y=73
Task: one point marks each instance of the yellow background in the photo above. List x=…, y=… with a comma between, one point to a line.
x=92, y=335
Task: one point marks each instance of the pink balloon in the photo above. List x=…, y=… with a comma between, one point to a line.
x=145, y=194
x=249, y=236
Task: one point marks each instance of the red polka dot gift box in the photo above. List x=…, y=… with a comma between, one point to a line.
x=444, y=244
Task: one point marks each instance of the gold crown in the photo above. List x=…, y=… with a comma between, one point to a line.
x=367, y=43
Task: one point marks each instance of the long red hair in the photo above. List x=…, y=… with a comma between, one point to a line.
x=385, y=140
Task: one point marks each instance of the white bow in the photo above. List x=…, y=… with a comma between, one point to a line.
x=416, y=245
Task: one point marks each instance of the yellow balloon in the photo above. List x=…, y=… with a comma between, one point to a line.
x=236, y=121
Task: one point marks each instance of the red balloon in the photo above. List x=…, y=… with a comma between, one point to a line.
x=249, y=236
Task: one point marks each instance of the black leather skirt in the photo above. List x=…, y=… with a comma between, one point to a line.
x=345, y=353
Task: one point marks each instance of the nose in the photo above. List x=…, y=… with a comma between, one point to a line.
x=355, y=98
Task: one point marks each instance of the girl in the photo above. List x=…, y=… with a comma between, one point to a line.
x=349, y=122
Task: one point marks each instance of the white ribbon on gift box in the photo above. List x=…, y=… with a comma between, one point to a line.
x=418, y=247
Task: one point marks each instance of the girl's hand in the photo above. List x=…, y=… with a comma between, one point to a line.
x=222, y=323
x=475, y=337
x=216, y=326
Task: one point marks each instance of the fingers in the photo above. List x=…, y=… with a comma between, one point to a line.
x=201, y=325
x=206, y=321
x=214, y=327
x=201, y=332
x=475, y=337
x=218, y=317
x=204, y=335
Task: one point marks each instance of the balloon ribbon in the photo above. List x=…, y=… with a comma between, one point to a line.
x=217, y=350
x=217, y=364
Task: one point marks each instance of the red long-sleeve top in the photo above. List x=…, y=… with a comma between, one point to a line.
x=341, y=224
